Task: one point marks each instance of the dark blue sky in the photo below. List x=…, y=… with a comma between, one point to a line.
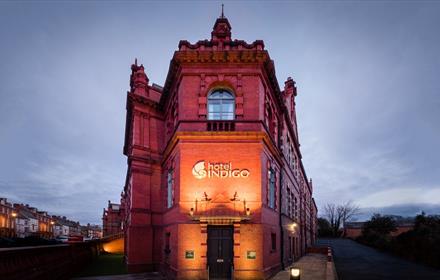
x=368, y=93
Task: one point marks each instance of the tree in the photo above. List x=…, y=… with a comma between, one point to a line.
x=376, y=231
x=378, y=224
x=422, y=243
x=338, y=215
x=348, y=211
x=324, y=228
x=331, y=213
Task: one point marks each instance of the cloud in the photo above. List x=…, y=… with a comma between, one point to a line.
x=66, y=185
x=401, y=195
x=367, y=94
x=365, y=107
x=404, y=210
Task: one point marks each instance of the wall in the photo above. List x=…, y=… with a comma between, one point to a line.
x=356, y=232
x=45, y=262
x=242, y=151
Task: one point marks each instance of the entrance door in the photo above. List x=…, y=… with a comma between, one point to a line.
x=220, y=252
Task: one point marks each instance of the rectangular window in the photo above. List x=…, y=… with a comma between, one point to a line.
x=281, y=144
x=292, y=164
x=296, y=208
x=290, y=248
x=289, y=203
x=167, y=243
x=170, y=183
x=273, y=238
x=271, y=175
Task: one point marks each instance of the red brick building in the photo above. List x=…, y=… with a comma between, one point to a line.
x=354, y=229
x=112, y=219
x=215, y=182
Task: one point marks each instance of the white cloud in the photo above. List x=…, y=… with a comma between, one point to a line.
x=64, y=184
x=367, y=94
x=401, y=195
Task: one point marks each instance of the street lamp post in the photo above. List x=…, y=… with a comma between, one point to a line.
x=52, y=229
x=13, y=223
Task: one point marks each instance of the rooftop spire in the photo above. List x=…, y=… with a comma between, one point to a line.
x=222, y=28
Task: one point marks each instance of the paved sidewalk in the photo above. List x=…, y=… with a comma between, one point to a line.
x=137, y=276
x=313, y=267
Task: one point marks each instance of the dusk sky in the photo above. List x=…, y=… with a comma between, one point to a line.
x=368, y=78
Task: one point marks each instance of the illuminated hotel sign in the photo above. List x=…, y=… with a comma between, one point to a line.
x=221, y=170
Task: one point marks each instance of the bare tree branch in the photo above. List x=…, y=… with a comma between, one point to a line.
x=338, y=215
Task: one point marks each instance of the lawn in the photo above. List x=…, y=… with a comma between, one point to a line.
x=105, y=264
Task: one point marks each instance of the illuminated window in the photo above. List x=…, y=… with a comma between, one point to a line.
x=221, y=105
x=271, y=177
x=170, y=183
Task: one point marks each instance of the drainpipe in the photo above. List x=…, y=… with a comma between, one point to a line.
x=278, y=144
x=281, y=223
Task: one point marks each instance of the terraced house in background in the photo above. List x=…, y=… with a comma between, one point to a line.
x=215, y=183
x=19, y=220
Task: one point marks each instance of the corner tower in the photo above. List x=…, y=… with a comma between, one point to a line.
x=143, y=147
x=215, y=183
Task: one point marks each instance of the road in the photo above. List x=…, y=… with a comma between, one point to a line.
x=355, y=261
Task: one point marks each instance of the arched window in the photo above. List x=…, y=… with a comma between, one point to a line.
x=221, y=105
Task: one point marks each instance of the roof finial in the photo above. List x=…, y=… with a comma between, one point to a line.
x=223, y=15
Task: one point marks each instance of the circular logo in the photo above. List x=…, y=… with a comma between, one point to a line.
x=198, y=170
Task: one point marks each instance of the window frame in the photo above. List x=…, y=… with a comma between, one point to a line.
x=273, y=239
x=271, y=178
x=170, y=188
x=223, y=115
x=167, y=248
x=289, y=203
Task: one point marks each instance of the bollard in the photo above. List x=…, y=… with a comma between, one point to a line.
x=295, y=273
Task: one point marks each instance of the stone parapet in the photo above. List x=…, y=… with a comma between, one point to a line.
x=46, y=262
